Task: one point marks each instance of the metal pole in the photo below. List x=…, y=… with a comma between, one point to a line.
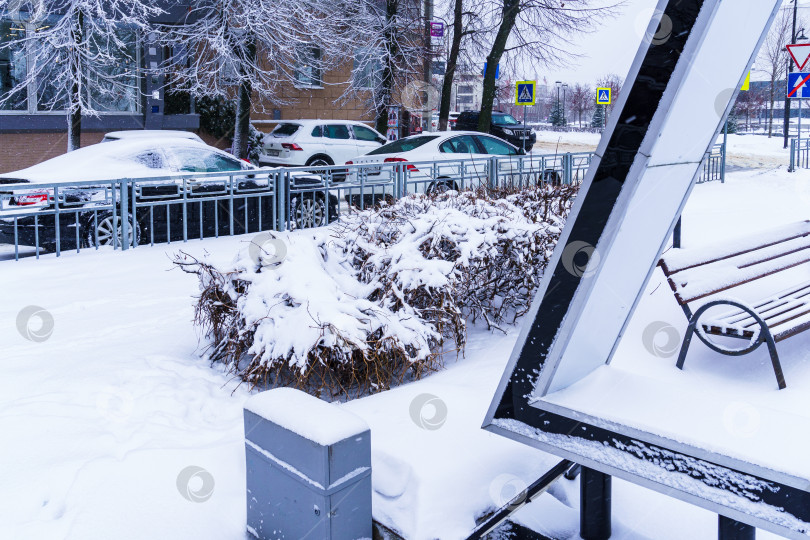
x=729, y=529
x=520, y=500
x=523, y=139
x=594, y=505
x=676, y=234
x=790, y=70
x=725, y=150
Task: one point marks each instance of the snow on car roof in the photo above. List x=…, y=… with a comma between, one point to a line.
x=152, y=133
x=103, y=161
x=312, y=121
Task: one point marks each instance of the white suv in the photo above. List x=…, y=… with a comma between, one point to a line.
x=318, y=142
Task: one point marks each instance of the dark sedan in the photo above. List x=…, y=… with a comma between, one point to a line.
x=216, y=195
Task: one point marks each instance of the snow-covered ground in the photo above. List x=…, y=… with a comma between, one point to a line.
x=102, y=417
x=745, y=151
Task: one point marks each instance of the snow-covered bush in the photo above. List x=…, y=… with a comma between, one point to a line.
x=373, y=300
x=481, y=255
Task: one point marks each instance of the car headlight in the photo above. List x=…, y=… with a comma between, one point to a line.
x=508, y=131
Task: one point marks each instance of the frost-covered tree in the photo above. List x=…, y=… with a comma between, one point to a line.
x=582, y=100
x=557, y=117
x=80, y=54
x=388, y=42
x=247, y=48
x=531, y=34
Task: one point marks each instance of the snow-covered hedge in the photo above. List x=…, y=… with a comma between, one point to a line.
x=377, y=298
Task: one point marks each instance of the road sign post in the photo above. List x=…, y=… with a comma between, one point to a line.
x=526, y=95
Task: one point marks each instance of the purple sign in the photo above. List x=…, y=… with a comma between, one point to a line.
x=436, y=29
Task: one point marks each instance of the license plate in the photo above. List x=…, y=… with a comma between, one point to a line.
x=273, y=153
x=373, y=170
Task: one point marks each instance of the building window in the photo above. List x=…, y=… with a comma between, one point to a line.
x=13, y=67
x=308, y=68
x=465, y=89
x=367, y=68
x=116, y=90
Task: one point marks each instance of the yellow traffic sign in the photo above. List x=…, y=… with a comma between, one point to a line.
x=603, y=96
x=747, y=84
x=525, y=92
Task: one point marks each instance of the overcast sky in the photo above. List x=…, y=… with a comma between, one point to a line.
x=612, y=49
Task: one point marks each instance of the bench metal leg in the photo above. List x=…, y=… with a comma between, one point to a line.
x=777, y=367
x=765, y=336
x=729, y=529
x=687, y=339
x=594, y=504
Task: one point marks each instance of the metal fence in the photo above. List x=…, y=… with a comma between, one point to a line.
x=799, y=154
x=714, y=166
x=130, y=212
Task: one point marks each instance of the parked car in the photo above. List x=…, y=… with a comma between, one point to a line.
x=443, y=152
x=317, y=143
x=503, y=125
x=86, y=211
x=150, y=134
x=451, y=120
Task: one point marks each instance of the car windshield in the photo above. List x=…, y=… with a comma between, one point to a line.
x=285, y=130
x=403, y=145
x=507, y=119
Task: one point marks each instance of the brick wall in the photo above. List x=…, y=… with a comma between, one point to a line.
x=313, y=103
x=21, y=150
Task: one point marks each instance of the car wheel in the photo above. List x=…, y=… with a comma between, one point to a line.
x=309, y=212
x=441, y=187
x=105, y=228
x=550, y=176
x=319, y=161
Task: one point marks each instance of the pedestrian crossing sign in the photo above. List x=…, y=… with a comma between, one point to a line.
x=525, y=92
x=603, y=96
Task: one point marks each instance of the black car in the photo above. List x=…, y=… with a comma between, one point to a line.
x=503, y=126
x=228, y=196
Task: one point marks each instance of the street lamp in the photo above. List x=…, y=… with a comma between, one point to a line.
x=565, y=120
x=558, y=84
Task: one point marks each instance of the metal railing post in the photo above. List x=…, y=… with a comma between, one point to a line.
x=57, y=221
x=125, y=215
x=568, y=173
x=792, y=166
x=134, y=199
x=723, y=162
x=493, y=172
x=278, y=202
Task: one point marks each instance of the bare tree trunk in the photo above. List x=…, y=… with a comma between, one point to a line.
x=74, y=119
x=241, y=131
x=386, y=88
x=452, y=60
x=510, y=13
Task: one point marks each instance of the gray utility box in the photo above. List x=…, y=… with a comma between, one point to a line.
x=308, y=469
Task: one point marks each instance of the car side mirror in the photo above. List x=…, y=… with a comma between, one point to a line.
x=521, y=152
x=381, y=140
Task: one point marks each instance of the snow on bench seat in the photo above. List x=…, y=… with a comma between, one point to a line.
x=697, y=273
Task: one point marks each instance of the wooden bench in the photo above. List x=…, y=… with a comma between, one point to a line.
x=699, y=276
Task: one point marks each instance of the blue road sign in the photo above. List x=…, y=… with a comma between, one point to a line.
x=798, y=86
x=497, y=71
x=525, y=93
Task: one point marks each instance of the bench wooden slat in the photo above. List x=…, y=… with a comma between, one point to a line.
x=792, y=262
x=677, y=261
